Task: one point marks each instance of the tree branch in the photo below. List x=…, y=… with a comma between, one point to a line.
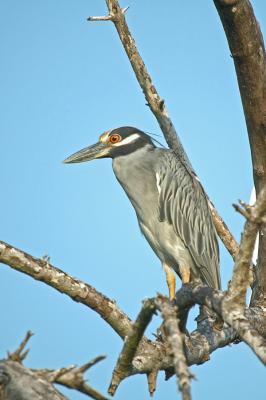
x=175, y=340
x=242, y=275
x=110, y=17
x=18, y=355
x=79, y=291
x=189, y=295
x=124, y=363
x=17, y=382
x=247, y=48
x=72, y=377
x=150, y=356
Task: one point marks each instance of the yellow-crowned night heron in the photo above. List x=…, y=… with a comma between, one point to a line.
x=171, y=206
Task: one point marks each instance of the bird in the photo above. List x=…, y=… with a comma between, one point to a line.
x=171, y=206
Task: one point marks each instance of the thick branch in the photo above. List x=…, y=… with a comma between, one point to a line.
x=150, y=356
x=175, y=340
x=247, y=48
x=64, y=283
x=18, y=382
x=149, y=353
x=189, y=295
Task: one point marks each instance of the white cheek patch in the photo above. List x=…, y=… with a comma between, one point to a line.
x=129, y=139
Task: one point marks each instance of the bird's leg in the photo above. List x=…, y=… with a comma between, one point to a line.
x=182, y=315
x=170, y=278
x=185, y=274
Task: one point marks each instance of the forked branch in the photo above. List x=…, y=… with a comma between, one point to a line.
x=17, y=381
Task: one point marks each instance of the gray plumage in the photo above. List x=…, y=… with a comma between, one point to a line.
x=172, y=211
x=171, y=206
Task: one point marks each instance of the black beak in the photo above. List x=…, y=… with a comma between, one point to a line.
x=97, y=150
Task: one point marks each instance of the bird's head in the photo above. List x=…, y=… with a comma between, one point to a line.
x=113, y=143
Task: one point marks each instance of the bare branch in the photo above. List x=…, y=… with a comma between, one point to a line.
x=72, y=377
x=124, y=362
x=175, y=339
x=247, y=48
x=189, y=295
x=91, y=363
x=100, y=18
x=78, y=290
x=240, y=210
x=152, y=380
x=248, y=51
x=242, y=275
x=150, y=355
x=224, y=233
x=110, y=17
x=18, y=355
x=19, y=382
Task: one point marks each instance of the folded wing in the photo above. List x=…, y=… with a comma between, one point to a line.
x=184, y=205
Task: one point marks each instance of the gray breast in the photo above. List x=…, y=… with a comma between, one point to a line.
x=136, y=173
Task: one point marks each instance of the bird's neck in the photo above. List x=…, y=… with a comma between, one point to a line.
x=136, y=174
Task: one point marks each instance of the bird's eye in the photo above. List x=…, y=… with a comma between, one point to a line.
x=115, y=138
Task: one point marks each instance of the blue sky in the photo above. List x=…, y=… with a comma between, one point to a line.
x=64, y=81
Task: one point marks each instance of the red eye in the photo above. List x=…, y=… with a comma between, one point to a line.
x=115, y=138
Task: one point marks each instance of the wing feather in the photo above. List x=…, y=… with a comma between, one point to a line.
x=184, y=205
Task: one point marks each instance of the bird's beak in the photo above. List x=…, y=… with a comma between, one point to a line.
x=97, y=150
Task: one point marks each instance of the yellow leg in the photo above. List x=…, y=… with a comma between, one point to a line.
x=185, y=274
x=170, y=278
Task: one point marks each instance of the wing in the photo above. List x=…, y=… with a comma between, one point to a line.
x=184, y=205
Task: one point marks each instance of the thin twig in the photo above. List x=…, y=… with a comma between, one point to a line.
x=91, y=363
x=242, y=274
x=241, y=210
x=124, y=363
x=224, y=233
x=100, y=18
x=18, y=355
x=72, y=377
x=110, y=17
x=152, y=381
